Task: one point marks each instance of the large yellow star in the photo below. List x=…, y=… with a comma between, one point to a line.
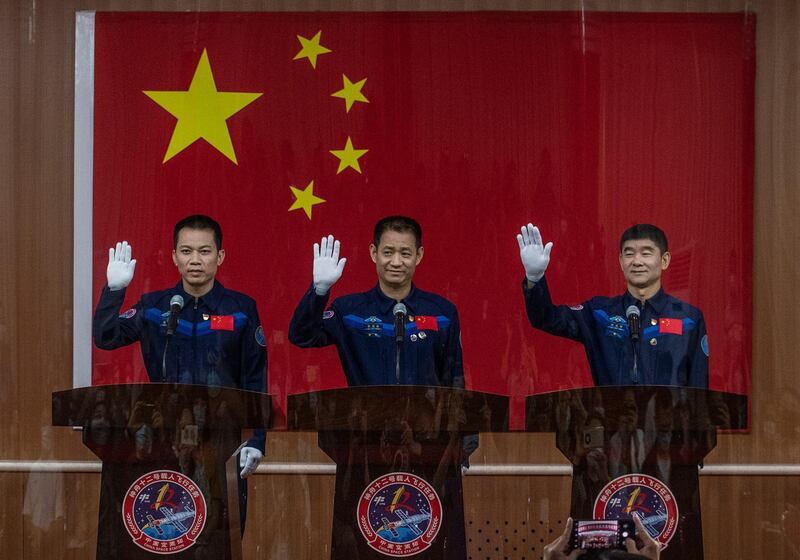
x=202, y=112
x=351, y=92
x=311, y=49
x=305, y=199
x=348, y=157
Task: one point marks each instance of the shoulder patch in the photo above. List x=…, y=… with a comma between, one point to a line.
x=260, y=338
x=327, y=314
x=704, y=344
x=576, y=307
x=128, y=314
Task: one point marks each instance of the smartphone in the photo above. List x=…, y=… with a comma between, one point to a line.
x=601, y=533
x=593, y=437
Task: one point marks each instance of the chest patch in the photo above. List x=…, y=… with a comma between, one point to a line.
x=373, y=326
x=426, y=323
x=670, y=326
x=617, y=326
x=221, y=322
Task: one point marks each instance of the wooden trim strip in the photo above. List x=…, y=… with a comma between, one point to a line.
x=757, y=469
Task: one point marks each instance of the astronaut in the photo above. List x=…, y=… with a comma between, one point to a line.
x=670, y=346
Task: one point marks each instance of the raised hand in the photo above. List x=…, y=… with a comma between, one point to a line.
x=535, y=256
x=327, y=265
x=119, y=272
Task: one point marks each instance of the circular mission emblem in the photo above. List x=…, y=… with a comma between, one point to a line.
x=164, y=512
x=643, y=496
x=399, y=514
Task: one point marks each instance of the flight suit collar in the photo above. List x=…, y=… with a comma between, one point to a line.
x=386, y=304
x=658, y=302
x=210, y=300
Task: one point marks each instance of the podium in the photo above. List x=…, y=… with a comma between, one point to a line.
x=635, y=450
x=167, y=487
x=398, y=452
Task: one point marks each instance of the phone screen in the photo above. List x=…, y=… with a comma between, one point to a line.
x=600, y=534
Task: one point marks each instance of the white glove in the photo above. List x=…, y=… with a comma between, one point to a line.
x=327, y=266
x=249, y=458
x=120, y=266
x=534, y=256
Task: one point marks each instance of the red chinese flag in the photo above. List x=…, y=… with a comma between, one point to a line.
x=426, y=323
x=670, y=326
x=221, y=322
x=286, y=127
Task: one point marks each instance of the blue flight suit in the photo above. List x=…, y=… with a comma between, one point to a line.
x=197, y=354
x=362, y=328
x=673, y=347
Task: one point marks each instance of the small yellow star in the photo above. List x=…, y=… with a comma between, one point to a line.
x=305, y=199
x=351, y=92
x=311, y=49
x=202, y=112
x=348, y=157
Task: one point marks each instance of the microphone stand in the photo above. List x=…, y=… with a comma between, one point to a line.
x=164, y=361
x=397, y=362
x=636, y=336
x=175, y=306
x=170, y=333
x=398, y=345
x=399, y=312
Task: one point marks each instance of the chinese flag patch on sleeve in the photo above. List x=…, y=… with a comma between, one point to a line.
x=670, y=326
x=221, y=322
x=426, y=323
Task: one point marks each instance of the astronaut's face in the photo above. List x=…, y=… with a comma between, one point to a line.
x=642, y=263
x=396, y=258
x=197, y=258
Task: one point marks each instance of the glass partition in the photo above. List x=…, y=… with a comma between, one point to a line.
x=455, y=385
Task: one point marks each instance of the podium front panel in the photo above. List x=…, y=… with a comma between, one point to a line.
x=168, y=484
x=636, y=451
x=399, y=452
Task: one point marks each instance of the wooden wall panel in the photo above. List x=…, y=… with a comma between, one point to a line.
x=60, y=515
x=12, y=542
x=743, y=515
x=776, y=352
x=9, y=100
x=751, y=517
x=514, y=516
x=292, y=517
x=42, y=214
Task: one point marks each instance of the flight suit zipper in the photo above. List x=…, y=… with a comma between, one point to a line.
x=194, y=341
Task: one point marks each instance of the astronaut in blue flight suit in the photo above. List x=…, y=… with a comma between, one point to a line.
x=362, y=326
x=672, y=348
x=219, y=340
